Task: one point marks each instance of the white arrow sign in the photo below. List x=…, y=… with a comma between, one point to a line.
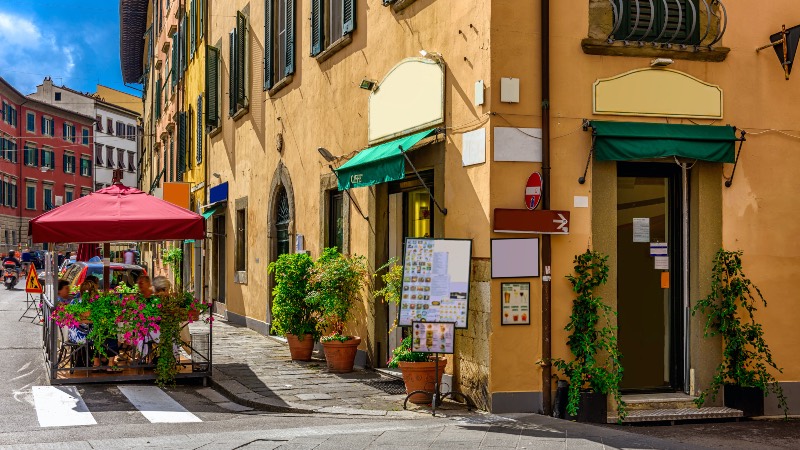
x=562, y=223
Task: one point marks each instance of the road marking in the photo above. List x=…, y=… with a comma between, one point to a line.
x=61, y=406
x=156, y=405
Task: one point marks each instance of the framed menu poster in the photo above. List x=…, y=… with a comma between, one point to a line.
x=436, y=274
x=433, y=337
x=515, y=299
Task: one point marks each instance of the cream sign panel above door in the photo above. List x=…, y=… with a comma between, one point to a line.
x=657, y=93
x=410, y=98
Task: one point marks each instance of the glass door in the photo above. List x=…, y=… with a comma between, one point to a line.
x=649, y=275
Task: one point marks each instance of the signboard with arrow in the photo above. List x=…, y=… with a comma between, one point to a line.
x=534, y=222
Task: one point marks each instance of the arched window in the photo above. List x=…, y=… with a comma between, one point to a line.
x=282, y=219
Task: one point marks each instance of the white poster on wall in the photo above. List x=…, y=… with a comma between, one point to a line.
x=515, y=258
x=517, y=144
x=474, y=151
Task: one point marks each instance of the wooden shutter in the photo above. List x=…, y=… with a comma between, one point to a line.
x=181, y=146
x=192, y=28
x=199, y=137
x=348, y=16
x=317, y=24
x=212, y=86
x=64, y=163
x=269, y=43
x=232, y=71
x=182, y=49
x=289, y=36
x=241, y=59
x=175, y=63
x=158, y=99
x=201, y=18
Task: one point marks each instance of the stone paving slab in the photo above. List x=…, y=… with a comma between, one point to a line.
x=257, y=371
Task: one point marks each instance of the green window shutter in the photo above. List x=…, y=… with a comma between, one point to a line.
x=181, y=146
x=174, y=59
x=199, y=154
x=26, y=156
x=348, y=16
x=317, y=24
x=241, y=59
x=232, y=73
x=212, y=85
x=269, y=43
x=44, y=126
x=289, y=36
x=192, y=29
x=171, y=160
x=201, y=17
x=158, y=99
x=182, y=49
x=64, y=131
x=52, y=159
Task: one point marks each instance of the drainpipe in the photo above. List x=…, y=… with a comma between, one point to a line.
x=546, y=249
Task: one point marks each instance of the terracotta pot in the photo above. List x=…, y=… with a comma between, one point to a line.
x=422, y=376
x=341, y=355
x=749, y=400
x=300, y=349
x=194, y=315
x=85, y=315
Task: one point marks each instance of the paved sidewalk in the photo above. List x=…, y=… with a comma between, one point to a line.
x=257, y=371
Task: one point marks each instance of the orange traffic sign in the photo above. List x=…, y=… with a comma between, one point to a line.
x=32, y=285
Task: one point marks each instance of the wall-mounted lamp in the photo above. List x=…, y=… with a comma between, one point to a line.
x=433, y=56
x=216, y=175
x=369, y=85
x=326, y=154
x=661, y=62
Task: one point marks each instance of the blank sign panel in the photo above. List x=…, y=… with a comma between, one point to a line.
x=515, y=258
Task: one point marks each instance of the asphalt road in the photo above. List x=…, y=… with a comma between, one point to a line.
x=36, y=415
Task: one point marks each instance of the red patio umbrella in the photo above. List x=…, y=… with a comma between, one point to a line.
x=88, y=251
x=117, y=213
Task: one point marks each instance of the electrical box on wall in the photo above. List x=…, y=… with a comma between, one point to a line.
x=509, y=90
x=479, y=93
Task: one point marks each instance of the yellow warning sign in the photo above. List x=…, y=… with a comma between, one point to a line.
x=32, y=285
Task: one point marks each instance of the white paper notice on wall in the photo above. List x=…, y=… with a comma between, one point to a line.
x=474, y=147
x=641, y=229
x=580, y=201
x=662, y=262
x=518, y=144
x=658, y=249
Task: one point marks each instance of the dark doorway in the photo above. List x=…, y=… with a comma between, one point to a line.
x=219, y=259
x=651, y=335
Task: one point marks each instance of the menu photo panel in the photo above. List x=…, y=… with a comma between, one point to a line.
x=436, y=275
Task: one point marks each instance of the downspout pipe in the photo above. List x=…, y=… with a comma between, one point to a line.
x=546, y=249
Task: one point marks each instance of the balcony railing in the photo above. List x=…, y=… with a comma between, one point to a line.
x=681, y=24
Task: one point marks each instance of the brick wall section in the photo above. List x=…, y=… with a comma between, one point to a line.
x=471, y=371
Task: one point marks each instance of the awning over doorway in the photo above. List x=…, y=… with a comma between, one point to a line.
x=211, y=211
x=379, y=164
x=624, y=141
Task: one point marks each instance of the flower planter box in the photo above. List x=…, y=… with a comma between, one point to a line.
x=749, y=400
x=301, y=349
x=592, y=408
x=419, y=376
x=340, y=356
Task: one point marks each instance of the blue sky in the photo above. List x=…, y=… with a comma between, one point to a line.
x=74, y=41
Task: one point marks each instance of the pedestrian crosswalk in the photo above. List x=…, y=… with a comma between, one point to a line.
x=64, y=406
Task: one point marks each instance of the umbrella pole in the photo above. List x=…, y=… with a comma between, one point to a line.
x=106, y=268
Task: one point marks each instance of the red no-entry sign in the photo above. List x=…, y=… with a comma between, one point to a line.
x=533, y=190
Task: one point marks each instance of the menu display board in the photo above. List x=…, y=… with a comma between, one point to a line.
x=516, y=303
x=436, y=281
x=433, y=337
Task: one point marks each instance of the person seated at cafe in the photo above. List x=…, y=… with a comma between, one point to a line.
x=162, y=286
x=145, y=286
x=63, y=292
x=89, y=288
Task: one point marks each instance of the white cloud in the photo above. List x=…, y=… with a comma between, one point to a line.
x=28, y=53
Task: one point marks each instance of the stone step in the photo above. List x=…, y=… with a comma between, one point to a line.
x=658, y=401
x=678, y=414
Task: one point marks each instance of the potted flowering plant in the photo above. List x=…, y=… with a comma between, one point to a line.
x=336, y=285
x=419, y=371
x=293, y=314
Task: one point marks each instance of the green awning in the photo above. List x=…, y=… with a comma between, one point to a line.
x=379, y=164
x=210, y=211
x=624, y=141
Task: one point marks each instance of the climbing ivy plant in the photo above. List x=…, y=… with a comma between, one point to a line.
x=173, y=257
x=592, y=340
x=730, y=310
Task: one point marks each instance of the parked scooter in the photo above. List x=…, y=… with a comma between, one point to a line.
x=10, y=275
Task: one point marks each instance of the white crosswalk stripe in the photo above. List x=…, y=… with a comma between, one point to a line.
x=61, y=406
x=156, y=405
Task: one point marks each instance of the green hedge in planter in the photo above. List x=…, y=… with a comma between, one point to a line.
x=293, y=312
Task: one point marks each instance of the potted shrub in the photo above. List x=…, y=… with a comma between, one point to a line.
x=419, y=370
x=746, y=358
x=293, y=315
x=595, y=370
x=336, y=285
